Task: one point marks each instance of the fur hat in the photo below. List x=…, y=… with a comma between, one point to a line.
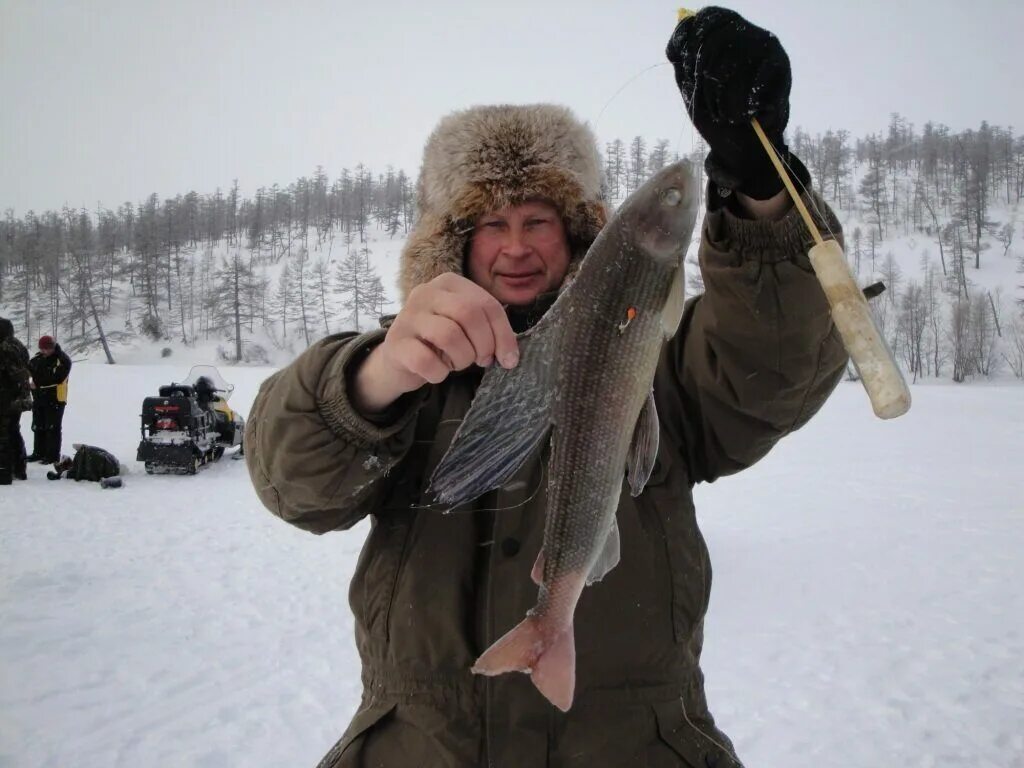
x=490, y=157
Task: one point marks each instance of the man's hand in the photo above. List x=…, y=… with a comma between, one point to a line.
x=728, y=72
x=446, y=325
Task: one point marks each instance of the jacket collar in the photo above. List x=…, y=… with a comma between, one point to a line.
x=525, y=317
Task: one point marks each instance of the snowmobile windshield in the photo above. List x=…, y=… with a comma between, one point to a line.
x=211, y=373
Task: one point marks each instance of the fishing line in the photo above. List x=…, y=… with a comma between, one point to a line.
x=623, y=87
x=718, y=744
x=822, y=219
x=528, y=499
x=689, y=121
x=453, y=510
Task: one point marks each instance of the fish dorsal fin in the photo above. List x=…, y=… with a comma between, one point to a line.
x=643, y=451
x=609, y=556
x=509, y=417
x=672, y=313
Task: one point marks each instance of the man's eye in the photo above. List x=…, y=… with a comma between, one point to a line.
x=535, y=223
x=493, y=224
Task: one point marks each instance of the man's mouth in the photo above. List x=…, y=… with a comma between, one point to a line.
x=518, y=277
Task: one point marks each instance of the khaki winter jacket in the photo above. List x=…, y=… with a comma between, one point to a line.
x=15, y=394
x=755, y=357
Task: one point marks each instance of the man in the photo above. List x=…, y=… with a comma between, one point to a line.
x=509, y=201
x=89, y=463
x=15, y=397
x=50, y=369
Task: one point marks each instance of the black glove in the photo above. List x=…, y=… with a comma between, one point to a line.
x=729, y=71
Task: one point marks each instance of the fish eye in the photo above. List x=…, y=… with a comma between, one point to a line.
x=672, y=196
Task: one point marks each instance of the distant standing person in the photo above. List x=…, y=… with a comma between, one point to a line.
x=50, y=369
x=15, y=397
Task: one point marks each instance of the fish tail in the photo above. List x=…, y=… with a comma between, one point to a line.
x=515, y=651
x=549, y=660
x=554, y=674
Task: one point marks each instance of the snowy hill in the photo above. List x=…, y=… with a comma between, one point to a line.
x=866, y=608
x=935, y=215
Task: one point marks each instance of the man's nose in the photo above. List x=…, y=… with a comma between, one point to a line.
x=516, y=242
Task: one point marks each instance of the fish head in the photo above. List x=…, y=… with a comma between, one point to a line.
x=661, y=213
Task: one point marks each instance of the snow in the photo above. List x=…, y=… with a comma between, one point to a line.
x=867, y=607
x=998, y=265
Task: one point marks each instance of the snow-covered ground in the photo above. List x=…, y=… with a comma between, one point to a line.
x=868, y=606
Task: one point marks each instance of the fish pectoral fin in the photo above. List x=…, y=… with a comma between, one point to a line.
x=537, y=572
x=609, y=556
x=643, y=451
x=509, y=417
x=672, y=312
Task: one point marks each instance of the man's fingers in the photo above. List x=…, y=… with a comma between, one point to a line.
x=506, y=348
x=477, y=327
x=449, y=338
x=459, y=323
x=421, y=360
x=483, y=319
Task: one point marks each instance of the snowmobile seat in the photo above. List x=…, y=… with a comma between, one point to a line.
x=177, y=390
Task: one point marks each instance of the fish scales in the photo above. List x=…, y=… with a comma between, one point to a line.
x=585, y=373
x=597, y=393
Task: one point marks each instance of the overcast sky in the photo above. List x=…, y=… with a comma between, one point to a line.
x=107, y=102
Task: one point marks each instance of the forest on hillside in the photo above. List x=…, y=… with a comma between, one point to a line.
x=293, y=263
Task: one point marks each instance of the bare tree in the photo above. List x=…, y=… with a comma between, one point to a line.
x=232, y=296
x=658, y=158
x=80, y=248
x=872, y=187
x=359, y=287
x=933, y=314
x=637, y=164
x=1013, y=352
x=1006, y=237
x=615, y=169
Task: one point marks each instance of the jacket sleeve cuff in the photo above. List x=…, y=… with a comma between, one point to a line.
x=341, y=415
x=772, y=241
x=785, y=239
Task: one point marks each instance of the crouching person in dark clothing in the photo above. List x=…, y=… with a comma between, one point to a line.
x=15, y=397
x=90, y=463
x=50, y=369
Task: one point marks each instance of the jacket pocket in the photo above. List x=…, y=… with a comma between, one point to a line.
x=341, y=756
x=691, y=570
x=688, y=743
x=669, y=502
x=372, y=590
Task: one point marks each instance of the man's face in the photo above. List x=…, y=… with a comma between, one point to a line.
x=519, y=253
x=47, y=351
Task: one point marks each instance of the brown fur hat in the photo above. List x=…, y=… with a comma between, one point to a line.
x=488, y=158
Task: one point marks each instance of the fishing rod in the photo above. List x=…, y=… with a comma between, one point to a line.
x=882, y=379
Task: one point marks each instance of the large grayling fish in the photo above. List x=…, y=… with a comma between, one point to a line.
x=585, y=373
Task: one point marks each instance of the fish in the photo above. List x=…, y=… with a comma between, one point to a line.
x=584, y=381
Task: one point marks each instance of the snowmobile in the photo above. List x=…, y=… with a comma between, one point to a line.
x=190, y=424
